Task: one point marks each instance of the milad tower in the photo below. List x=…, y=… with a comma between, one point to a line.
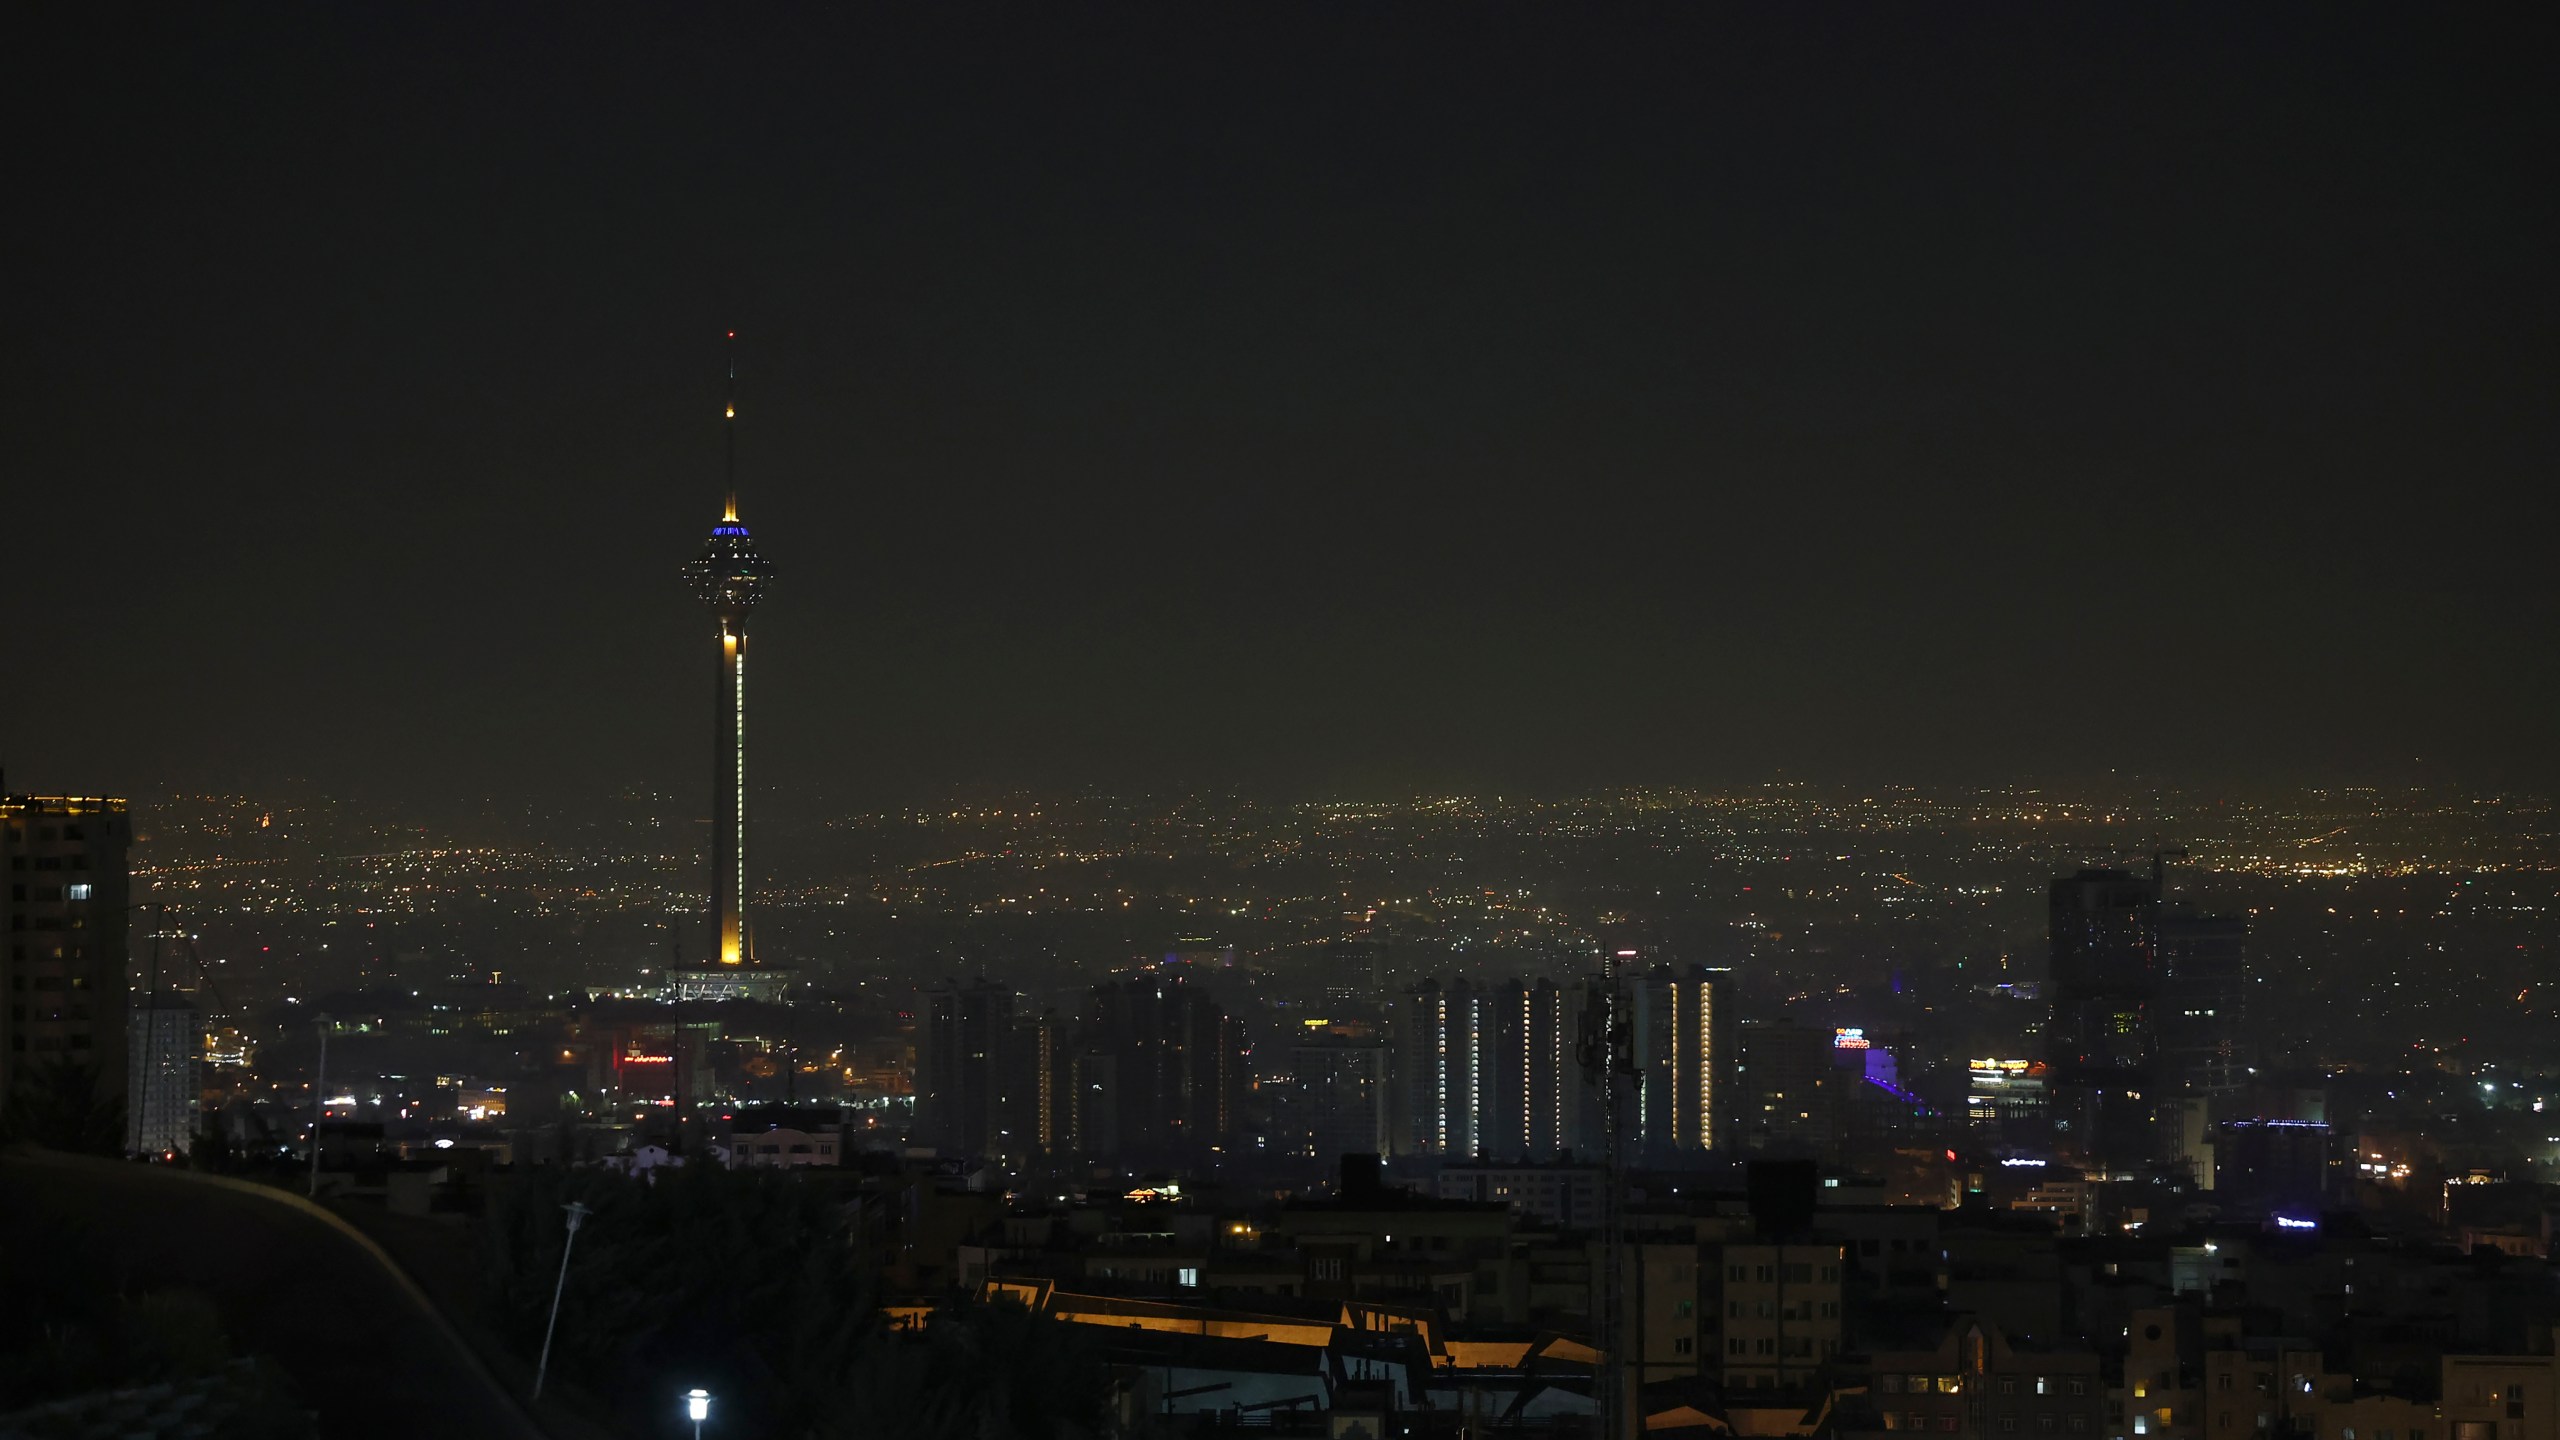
x=729, y=577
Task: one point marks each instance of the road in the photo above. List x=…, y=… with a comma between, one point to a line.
x=367, y=1350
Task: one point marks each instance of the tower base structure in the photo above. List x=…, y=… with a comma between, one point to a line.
x=769, y=983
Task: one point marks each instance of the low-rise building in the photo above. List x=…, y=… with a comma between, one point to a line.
x=1558, y=1194
x=2499, y=1397
x=782, y=1148
x=1976, y=1382
x=1781, y=1320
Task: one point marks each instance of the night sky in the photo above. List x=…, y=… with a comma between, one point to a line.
x=1334, y=399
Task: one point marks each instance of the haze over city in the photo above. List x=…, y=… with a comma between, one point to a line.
x=1343, y=401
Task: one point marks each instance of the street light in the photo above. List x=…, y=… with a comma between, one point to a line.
x=697, y=1408
x=577, y=1212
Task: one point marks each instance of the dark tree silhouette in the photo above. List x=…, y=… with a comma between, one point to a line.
x=749, y=1284
x=57, y=1105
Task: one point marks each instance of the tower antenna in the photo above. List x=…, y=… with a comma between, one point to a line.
x=730, y=416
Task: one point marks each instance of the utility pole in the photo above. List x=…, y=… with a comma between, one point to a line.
x=675, y=1008
x=319, y=1103
x=577, y=1212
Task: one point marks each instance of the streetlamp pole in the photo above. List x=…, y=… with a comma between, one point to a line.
x=577, y=1212
x=697, y=1408
x=319, y=1103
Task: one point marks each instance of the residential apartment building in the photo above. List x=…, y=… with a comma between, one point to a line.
x=2498, y=1397
x=1781, y=1312
x=1562, y=1195
x=1976, y=1382
x=63, y=910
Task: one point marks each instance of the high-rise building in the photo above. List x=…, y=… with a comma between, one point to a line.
x=1495, y=1071
x=2147, y=1015
x=2005, y=1100
x=163, y=1075
x=1682, y=1054
x=964, y=1062
x=64, y=967
x=1791, y=1087
x=1334, y=1102
x=1158, y=1072
x=1042, y=1047
x=1354, y=970
x=1446, y=1041
x=1588, y=1003
x=2202, y=1002
x=1533, y=1059
x=2100, y=1043
x=729, y=578
x=2274, y=1165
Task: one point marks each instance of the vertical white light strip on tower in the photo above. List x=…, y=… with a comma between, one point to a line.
x=1440, y=1072
x=733, y=946
x=741, y=793
x=1475, y=1074
x=1528, y=1083
x=1706, y=1064
x=1675, y=1064
x=1556, y=1139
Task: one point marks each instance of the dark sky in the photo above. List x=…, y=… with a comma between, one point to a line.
x=1328, y=397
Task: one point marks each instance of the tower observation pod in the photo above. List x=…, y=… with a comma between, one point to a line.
x=728, y=577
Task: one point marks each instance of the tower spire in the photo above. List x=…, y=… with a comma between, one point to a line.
x=729, y=426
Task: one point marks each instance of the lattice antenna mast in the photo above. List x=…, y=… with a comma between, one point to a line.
x=729, y=511
x=1608, y=1060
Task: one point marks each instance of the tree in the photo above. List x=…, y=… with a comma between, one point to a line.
x=58, y=1104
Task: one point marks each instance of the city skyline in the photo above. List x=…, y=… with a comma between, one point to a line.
x=1494, y=723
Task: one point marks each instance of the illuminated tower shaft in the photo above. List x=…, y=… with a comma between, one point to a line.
x=729, y=850
x=729, y=576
